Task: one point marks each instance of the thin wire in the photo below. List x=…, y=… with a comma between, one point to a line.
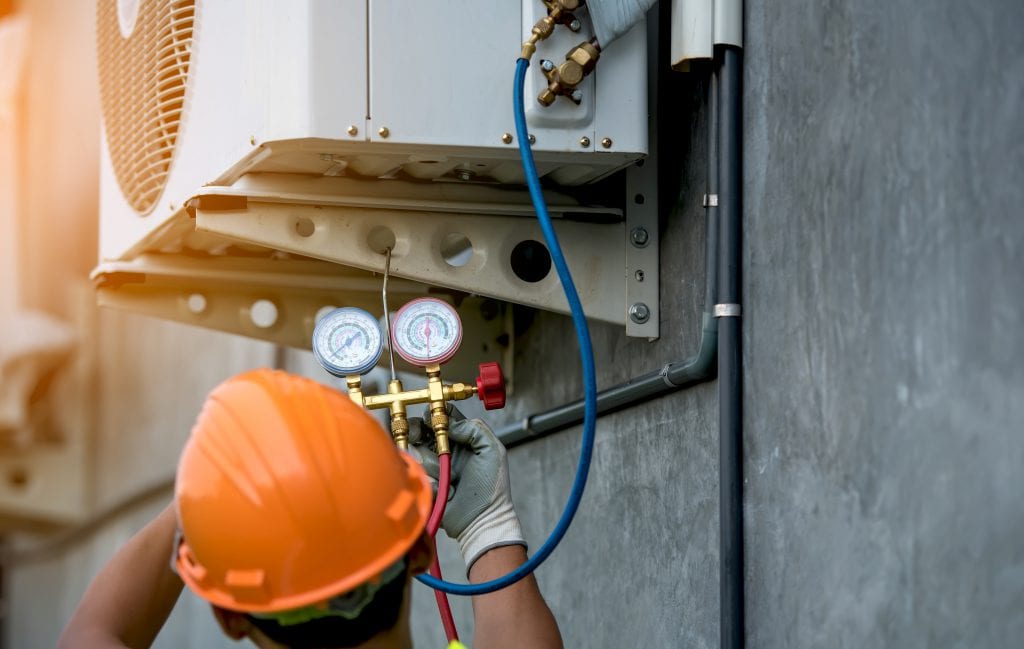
x=387, y=312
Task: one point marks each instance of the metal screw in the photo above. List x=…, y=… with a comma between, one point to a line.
x=547, y=65
x=575, y=25
x=506, y=138
x=383, y=132
x=577, y=95
x=606, y=143
x=584, y=141
x=640, y=237
x=639, y=313
x=352, y=130
x=533, y=139
x=639, y=275
x=464, y=174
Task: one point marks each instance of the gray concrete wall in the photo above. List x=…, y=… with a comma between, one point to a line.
x=884, y=155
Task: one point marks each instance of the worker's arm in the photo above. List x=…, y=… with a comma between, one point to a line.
x=516, y=616
x=130, y=599
x=481, y=518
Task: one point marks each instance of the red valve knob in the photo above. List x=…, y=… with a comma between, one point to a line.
x=490, y=386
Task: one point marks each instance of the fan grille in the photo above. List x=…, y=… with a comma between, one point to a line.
x=143, y=79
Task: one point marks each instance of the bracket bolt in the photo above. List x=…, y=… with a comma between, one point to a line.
x=639, y=313
x=384, y=132
x=640, y=237
x=574, y=25
x=577, y=95
x=547, y=65
x=464, y=174
x=352, y=130
x=506, y=138
x=584, y=141
x=606, y=143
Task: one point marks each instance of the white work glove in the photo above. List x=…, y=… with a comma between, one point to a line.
x=479, y=514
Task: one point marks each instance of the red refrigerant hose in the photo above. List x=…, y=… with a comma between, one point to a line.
x=433, y=524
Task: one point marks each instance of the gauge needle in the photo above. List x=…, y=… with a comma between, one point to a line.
x=351, y=339
x=426, y=333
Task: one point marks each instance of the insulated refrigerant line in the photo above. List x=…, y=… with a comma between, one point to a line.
x=586, y=358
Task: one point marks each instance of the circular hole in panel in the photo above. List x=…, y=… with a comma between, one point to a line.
x=639, y=199
x=640, y=163
x=456, y=249
x=380, y=239
x=196, y=303
x=17, y=477
x=530, y=260
x=304, y=227
x=263, y=314
x=324, y=310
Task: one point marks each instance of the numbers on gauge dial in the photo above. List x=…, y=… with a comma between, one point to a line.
x=426, y=331
x=347, y=341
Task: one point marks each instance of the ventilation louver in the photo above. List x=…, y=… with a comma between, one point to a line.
x=144, y=50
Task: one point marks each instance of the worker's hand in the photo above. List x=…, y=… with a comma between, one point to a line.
x=479, y=514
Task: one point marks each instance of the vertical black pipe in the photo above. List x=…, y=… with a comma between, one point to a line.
x=730, y=360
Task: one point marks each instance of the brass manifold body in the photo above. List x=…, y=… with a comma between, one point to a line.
x=397, y=399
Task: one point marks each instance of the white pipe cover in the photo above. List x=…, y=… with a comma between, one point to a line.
x=699, y=25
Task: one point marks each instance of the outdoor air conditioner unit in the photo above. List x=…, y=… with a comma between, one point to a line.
x=267, y=152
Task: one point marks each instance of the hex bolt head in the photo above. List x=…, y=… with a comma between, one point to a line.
x=577, y=95
x=639, y=237
x=639, y=313
x=574, y=25
x=606, y=142
x=547, y=65
x=383, y=131
x=584, y=141
x=506, y=138
x=352, y=130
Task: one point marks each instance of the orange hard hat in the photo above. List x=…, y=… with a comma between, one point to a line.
x=288, y=494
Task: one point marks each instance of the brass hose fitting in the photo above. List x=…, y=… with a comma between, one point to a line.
x=558, y=13
x=563, y=79
x=438, y=408
x=399, y=422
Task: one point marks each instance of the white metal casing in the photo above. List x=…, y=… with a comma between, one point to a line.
x=309, y=113
x=437, y=76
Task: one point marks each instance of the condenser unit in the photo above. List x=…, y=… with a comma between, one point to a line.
x=260, y=156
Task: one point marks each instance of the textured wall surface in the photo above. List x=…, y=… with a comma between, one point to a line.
x=884, y=306
x=884, y=299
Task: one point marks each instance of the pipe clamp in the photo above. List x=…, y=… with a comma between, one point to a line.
x=728, y=310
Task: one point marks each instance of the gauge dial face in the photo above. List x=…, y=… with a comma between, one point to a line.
x=347, y=341
x=426, y=331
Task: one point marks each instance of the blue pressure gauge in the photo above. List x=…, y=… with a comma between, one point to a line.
x=347, y=341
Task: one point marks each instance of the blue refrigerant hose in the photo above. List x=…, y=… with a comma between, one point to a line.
x=586, y=356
